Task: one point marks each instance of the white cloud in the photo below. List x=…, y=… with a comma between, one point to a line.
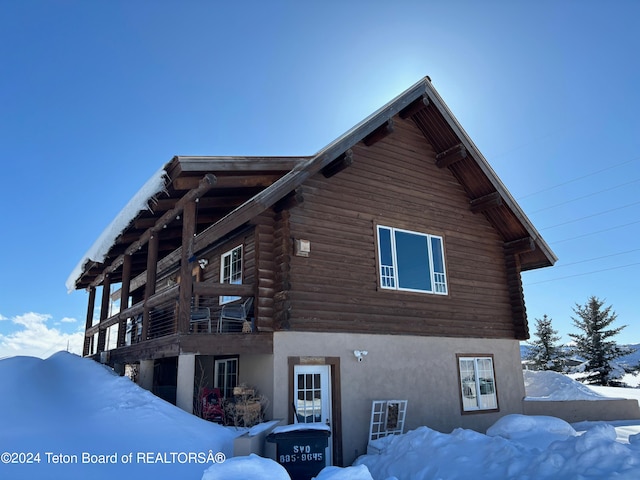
x=37, y=339
x=68, y=320
x=2, y=317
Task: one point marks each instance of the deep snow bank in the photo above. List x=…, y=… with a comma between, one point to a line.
x=554, y=386
x=66, y=407
x=536, y=447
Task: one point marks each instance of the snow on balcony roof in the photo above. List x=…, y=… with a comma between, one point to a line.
x=107, y=238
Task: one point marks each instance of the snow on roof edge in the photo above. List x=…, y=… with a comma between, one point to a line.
x=139, y=202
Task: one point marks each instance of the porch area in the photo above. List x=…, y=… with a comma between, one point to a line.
x=214, y=319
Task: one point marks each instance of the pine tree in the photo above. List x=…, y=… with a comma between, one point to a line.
x=595, y=344
x=545, y=352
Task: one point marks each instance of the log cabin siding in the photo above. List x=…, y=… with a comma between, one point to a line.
x=394, y=183
x=211, y=274
x=282, y=255
x=265, y=271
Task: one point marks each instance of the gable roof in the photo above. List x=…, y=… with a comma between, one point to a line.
x=239, y=188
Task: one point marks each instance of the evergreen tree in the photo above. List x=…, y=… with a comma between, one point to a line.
x=595, y=344
x=544, y=351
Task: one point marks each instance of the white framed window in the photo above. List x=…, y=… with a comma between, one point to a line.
x=411, y=261
x=477, y=383
x=226, y=376
x=231, y=271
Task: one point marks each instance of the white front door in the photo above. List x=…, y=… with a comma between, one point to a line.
x=312, y=397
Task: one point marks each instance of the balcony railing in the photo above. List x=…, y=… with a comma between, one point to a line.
x=206, y=315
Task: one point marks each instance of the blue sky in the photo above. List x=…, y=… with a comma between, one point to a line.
x=96, y=96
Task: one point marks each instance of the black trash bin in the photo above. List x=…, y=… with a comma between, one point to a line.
x=300, y=449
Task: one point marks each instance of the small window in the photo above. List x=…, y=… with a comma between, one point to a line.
x=231, y=271
x=411, y=261
x=226, y=376
x=477, y=383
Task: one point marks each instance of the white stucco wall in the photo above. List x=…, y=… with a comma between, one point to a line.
x=422, y=370
x=184, y=388
x=257, y=371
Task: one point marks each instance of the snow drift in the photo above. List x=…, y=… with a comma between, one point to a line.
x=65, y=407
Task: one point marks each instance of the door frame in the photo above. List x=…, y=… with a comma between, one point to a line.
x=336, y=405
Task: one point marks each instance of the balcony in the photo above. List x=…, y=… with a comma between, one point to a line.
x=160, y=321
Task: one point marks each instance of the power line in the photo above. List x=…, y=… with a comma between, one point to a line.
x=595, y=233
x=591, y=216
x=578, y=178
x=596, y=258
x=587, y=196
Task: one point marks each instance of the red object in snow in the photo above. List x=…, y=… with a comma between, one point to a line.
x=211, y=405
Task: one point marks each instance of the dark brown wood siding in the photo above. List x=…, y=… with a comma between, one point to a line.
x=211, y=273
x=395, y=183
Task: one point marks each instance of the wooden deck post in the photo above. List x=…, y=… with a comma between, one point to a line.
x=104, y=311
x=150, y=287
x=124, y=298
x=86, y=350
x=186, y=282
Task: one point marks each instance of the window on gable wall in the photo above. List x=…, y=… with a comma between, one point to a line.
x=231, y=271
x=411, y=261
x=477, y=383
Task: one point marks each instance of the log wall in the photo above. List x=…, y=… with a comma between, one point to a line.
x=396, y=183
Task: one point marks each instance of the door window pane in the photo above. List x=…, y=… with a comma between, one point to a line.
x=309, y=398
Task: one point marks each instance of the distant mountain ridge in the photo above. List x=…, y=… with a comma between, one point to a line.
x=631, y=359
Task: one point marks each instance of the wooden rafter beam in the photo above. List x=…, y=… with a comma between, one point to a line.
x=204, y=217
x=204, y=185
x=414, y=107
x=233, y=181
x=241, y=164
x=522, y=245
x=291, y=200
x=379, y=133
x=486, y=202
x=451, y=156
x=343, y=161
x=224, y=201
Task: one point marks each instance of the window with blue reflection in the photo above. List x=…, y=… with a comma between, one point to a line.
x=411, y=261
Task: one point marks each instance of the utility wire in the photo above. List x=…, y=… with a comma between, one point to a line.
x=583, y=274
x=596, y=258
x=591, y=216
x=594, y=233
x=578, y=178
x=587, y=196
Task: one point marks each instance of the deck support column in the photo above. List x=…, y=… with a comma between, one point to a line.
x=186, y=281
x=86, y=349
x=145, y=374
x=104, y=312
x=186, y=376
x=124, y=298
x=150, y=287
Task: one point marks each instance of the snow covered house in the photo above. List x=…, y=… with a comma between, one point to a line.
x=386, y=266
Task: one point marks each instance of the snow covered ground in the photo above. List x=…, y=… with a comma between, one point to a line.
x=68, y=417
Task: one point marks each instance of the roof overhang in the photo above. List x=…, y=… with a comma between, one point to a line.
x=246, y=186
